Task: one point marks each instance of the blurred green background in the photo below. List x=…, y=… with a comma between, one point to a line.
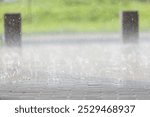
x=74, y=15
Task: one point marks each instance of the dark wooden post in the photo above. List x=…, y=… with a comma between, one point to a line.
x=130, y=26
x=12, y=25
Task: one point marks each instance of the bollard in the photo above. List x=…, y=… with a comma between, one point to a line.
x=12, y=25
x=130, y=26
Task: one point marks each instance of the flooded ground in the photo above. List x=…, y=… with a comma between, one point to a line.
x=76, y=66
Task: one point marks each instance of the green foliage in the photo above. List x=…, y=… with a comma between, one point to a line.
x=74, y=15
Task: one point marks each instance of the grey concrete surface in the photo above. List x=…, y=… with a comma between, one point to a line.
x=76, y=66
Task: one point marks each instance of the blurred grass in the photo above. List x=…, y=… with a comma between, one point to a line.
x=74, y=15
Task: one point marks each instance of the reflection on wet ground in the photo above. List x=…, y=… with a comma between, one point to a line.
x=79, y=69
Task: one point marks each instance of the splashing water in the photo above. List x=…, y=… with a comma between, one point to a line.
x=75, y=64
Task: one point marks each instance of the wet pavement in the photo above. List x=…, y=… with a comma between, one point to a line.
x=91, y=66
